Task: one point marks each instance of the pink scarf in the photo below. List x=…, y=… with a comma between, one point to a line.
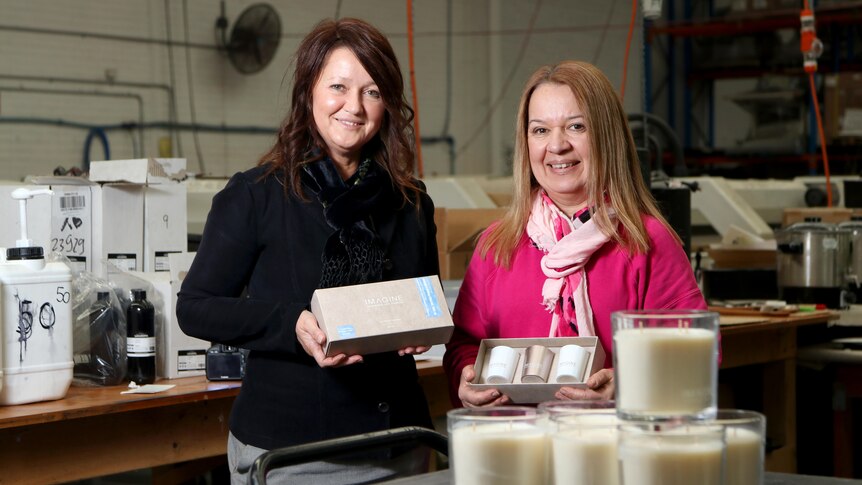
x=567, y=245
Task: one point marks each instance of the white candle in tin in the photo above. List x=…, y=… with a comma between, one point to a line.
x=502, y=362
x=572, y=364
x=537, y=364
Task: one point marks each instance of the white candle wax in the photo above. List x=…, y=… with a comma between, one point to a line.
x=662, y=462
x=587, y=457
x=744, y=460
x=665, y=370
x=502, y=363
x=572, y=364
x=499, y=454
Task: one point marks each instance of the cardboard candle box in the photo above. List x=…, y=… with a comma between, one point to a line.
x=521, y=392
x=384, y=316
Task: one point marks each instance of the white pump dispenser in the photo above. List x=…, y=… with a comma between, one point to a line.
x=21, y=195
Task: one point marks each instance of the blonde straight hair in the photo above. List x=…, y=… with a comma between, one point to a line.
x=615, y=178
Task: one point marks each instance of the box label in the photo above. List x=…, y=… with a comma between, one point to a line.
x=191, y=360
x=428, y=297
x=346, y=331
x=70, y=219
x=77, y=263
x=126, y=262
x=161, y=261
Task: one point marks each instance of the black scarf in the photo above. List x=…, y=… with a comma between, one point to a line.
x=353, y=254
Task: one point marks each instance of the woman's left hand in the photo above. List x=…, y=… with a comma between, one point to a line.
x=312, y=339
x=419, y=349
x=599, y=386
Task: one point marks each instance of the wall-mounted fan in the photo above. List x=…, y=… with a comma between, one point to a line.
x=254, y=37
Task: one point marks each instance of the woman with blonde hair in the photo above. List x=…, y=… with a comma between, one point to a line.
x=582, y=238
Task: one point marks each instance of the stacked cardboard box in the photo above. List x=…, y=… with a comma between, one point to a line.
x=457, y=232
x=140, y=216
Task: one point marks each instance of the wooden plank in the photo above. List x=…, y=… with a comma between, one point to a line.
x=93, y=446
x=81, y=402
x=757, y=348
x=187, y=472
x=782, y=460
x=727, y=320
x=779, y=401
x=847, y=388
x=792, y=321
x=750, y=312
x=436, y=390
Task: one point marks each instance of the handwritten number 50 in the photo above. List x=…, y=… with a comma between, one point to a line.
x=63, y=296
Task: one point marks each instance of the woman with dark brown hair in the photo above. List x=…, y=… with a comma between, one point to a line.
x=332, y=203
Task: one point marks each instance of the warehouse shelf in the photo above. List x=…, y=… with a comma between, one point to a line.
x=748, y=45
x=755, y=72
x=759, y=21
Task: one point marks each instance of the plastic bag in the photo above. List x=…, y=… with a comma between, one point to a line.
x=99, y=337
x=99, y=333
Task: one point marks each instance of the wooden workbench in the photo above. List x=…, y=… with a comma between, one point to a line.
x=98, y=431
x=767, y=351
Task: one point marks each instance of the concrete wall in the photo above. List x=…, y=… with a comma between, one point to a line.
x=117, y=53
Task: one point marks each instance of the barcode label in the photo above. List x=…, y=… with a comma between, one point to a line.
x=72, y=202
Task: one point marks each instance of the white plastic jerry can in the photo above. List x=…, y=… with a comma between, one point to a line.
x=36, y=309
x=35, y=322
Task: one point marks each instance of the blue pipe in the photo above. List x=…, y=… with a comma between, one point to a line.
x=100, y=130
x=100, y=133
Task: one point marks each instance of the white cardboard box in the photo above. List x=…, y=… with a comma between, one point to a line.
x=138, y=171
x=165, y=226
x=526, y=393
x=177, y=354
x=118, y=227
x=384, y=316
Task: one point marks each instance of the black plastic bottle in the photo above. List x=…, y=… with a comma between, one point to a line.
x=141, y=341
x=105, y=356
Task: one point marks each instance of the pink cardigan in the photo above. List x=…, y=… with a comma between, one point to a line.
x=494, y=302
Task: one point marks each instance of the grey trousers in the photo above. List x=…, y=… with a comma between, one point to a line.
x=240, y=456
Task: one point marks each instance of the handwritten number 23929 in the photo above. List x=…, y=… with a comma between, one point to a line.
x=68, y=245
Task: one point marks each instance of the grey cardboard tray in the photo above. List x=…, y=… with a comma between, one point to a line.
x=531, y=393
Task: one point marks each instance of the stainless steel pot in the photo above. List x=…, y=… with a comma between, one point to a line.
x=855, y=229
x=813, y=255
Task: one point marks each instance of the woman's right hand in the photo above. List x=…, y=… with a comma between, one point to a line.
x=472, y=398
x=312, y=339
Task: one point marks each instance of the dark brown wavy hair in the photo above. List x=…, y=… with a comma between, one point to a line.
x=299, y=142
